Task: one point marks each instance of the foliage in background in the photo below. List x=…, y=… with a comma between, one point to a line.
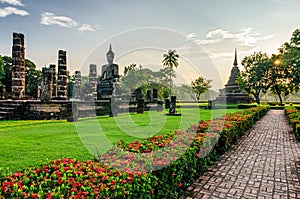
x=2, y=72
x=279, y=73
x=33, y=79
x=200, y=86
x=33, y=76
x=290, y=58
x=278, y=76
x=138, y=77
x=254, y=78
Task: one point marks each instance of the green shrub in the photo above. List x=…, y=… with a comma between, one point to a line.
x=297, y=132
x=293, y=116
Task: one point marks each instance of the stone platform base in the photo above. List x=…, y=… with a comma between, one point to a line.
x=173, y=114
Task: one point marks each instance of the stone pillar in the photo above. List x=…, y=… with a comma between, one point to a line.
x=73, y=117
x=138, y=94
x=140, y=106
x=159, y=106
x=148, y=95
x=77, y=86
x=62, y=80
x=18, y=67
x=54, y=83
x=173, y=105
x=167, y=104
x=93, y=81
x=154, y=94
x=113, y=106
x=47, y=83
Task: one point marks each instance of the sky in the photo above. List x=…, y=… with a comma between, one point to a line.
x=203, y=32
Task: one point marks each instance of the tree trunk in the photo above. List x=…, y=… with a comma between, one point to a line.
x=279, y=94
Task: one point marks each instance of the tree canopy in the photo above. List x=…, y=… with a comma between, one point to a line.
x=280, y=73
x=33, y=76
x=200, y=86
x=254, y=78
x=144, y=78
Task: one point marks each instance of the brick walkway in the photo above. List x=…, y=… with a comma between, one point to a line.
x=263, y=164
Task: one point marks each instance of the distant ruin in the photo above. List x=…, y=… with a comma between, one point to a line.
x=62, y=80
x=47, y=85
x=18, y=67
x=101, y=95
x=232, y=93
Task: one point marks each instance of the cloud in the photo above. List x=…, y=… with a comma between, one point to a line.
x=4, y=12
x=48, y=18
x=13, y=2
x=86, y=27
x=203, y=42
x=245, y=37
x=191, y=35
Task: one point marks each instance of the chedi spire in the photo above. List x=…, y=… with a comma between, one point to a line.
x=235, y=63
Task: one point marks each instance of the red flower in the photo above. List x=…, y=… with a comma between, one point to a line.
x=113, y=182
x=18, y=174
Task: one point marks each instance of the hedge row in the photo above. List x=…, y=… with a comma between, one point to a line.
x=158, y=167
x=182, y=160
x=293, y=115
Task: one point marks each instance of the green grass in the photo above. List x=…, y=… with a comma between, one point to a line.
x=28, y=143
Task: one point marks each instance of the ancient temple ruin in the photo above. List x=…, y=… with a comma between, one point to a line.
x=77, y=85
x=62, y=80
x=54, y=84
x=47, y=85
x=232, y=93
x=108, y=84
x=93, y=81
x=18, y=67
x=104, y=95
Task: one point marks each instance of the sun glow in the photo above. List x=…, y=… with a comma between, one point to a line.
x=277, y=62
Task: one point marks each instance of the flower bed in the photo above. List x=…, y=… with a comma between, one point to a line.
x=156, y=167
x=69, y=178
x=293, y=115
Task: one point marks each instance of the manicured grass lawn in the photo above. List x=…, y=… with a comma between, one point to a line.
x=28, y=143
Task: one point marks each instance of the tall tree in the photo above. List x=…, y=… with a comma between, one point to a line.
x=290, y=59
x=170, y=60
x=254, y=78
x=278, y=76
x=200, y=85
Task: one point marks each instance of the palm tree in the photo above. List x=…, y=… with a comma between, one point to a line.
x=170, y=61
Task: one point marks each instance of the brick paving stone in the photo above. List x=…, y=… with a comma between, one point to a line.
x=265, y=163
